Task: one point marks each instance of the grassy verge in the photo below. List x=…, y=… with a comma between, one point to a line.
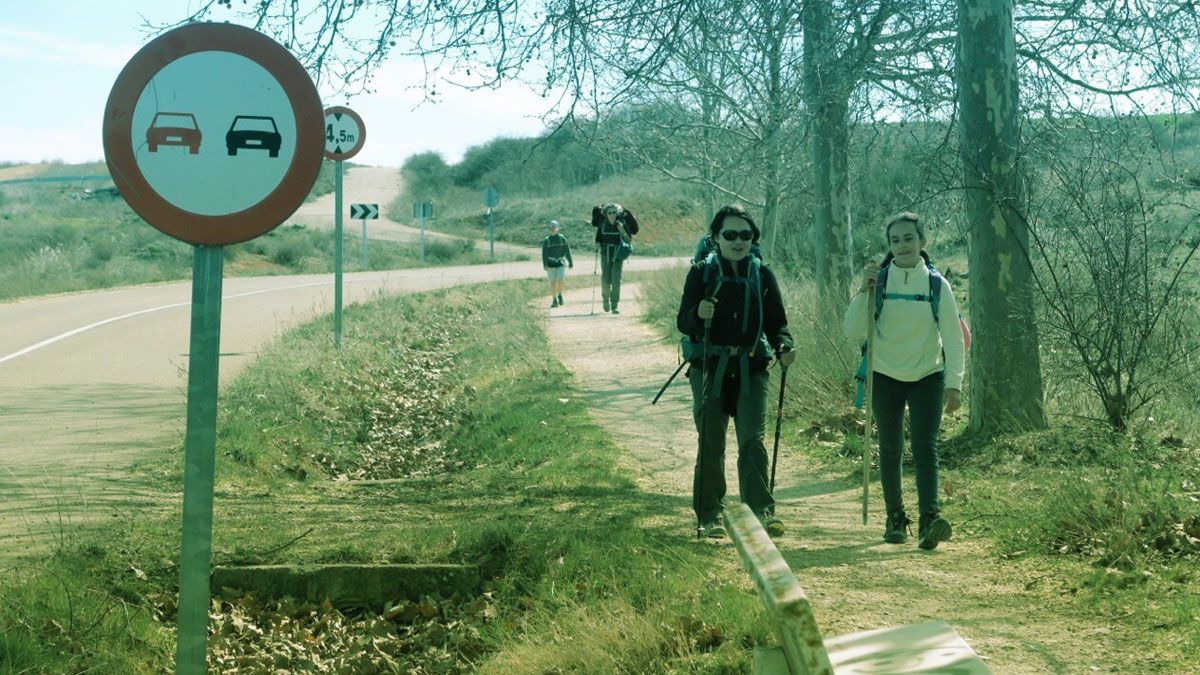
x=56, y=239
x=492, y=460
x=671, y=219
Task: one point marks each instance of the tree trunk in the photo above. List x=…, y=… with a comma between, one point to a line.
x=828, y=105
x=774, y=126
x=1005, y=374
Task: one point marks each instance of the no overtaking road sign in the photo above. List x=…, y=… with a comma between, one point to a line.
x=364, y=211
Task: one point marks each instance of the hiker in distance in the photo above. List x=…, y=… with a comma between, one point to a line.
x=917, y=362
x=556, y=253
x=615, y=227
x=733, y=313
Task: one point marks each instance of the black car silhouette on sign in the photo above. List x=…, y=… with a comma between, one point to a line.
x=253, y=132
x=172, y=128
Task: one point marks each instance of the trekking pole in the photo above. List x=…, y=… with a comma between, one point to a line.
x=669, y=381
x=868, y=447
x=594, y=281
x=704, y=385
x=778, y=423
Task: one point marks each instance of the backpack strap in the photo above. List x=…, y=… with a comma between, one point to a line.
x=934, y=297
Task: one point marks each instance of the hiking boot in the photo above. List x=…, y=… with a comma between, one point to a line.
x=615, y=310
x=554, y=303
x=772, y=524
x=932, y=530
x=560, y=300
x=712, y=530
x=606, y=307
x=897, y=529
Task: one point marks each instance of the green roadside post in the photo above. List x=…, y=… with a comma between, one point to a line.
x=337, y=254
x=199, y=456
x=491, y=199
x=232, y=156
x=344, y=137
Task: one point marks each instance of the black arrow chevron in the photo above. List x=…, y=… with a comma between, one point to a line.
x=364, y=211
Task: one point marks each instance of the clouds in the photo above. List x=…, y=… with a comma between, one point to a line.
x=27, y=46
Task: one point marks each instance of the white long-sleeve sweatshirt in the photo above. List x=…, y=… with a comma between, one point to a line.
x=909, y=345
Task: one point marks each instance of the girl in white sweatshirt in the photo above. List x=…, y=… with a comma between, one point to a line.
x=918, y=363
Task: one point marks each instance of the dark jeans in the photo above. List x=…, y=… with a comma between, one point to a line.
x=924, y=400
x=610, y=275
x=708, y=483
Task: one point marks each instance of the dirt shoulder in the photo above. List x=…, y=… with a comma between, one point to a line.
x=1018, y=615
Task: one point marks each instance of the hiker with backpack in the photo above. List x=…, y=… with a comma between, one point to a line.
x=917, y=361
x=556, y=251
x=733, y=315
x=615, y=227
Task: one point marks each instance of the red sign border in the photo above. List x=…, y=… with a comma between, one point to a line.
x=362, y=133
x=248, y=223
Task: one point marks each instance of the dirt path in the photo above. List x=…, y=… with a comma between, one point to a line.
x=1012, y=613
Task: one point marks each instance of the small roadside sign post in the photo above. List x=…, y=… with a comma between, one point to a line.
x=210, y=134
x=491, y=199
x=422, y=211
x=364, y=212
x=344, y=136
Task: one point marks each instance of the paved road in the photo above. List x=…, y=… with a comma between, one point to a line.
x=381, y=185
x=91, y=382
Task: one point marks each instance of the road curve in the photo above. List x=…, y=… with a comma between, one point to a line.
x=90, y=382
x=380, y=185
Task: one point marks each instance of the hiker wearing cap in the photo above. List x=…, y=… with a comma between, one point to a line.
x=615, y=227
x=917, y=362
x=556, y=253
x=733, y=313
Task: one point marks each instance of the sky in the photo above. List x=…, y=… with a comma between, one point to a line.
x=59, y=59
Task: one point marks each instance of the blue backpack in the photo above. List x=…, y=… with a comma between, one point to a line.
x=934, y=298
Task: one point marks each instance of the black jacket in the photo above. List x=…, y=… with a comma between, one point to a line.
x=600, y=222
x=727, y=321
x=555, y=250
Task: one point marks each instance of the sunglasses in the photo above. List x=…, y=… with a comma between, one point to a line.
x=734, y=235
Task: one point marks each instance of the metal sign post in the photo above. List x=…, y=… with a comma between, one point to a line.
x=421, y=211
x=344, y=136
x=491, y=199
x=363, y=212
x=232, y=154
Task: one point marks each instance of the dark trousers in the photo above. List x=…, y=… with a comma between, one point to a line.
x=924, y=401
x=610, y=275
x=749, y=421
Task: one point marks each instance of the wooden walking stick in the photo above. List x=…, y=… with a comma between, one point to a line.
x=868, y=447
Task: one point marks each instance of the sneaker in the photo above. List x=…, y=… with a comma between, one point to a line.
x=772, y=524
x=554, y=303
x=712, y=530
x=933, y=530
x=897, y=529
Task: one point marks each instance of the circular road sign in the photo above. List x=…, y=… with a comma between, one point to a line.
x=344, y=133
x=212, y=133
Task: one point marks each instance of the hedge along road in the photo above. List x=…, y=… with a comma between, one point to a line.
x=92, y=382
x=380, y=185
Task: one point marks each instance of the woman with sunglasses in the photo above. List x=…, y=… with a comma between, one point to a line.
x=614, y=225
x=733, y=309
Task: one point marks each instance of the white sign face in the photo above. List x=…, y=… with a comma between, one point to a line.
x=342, y=133
x=213, y=133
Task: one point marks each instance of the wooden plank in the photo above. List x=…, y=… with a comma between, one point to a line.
x=787, y=605
x=932, y=647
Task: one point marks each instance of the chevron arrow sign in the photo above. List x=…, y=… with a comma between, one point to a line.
x=364, y=211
